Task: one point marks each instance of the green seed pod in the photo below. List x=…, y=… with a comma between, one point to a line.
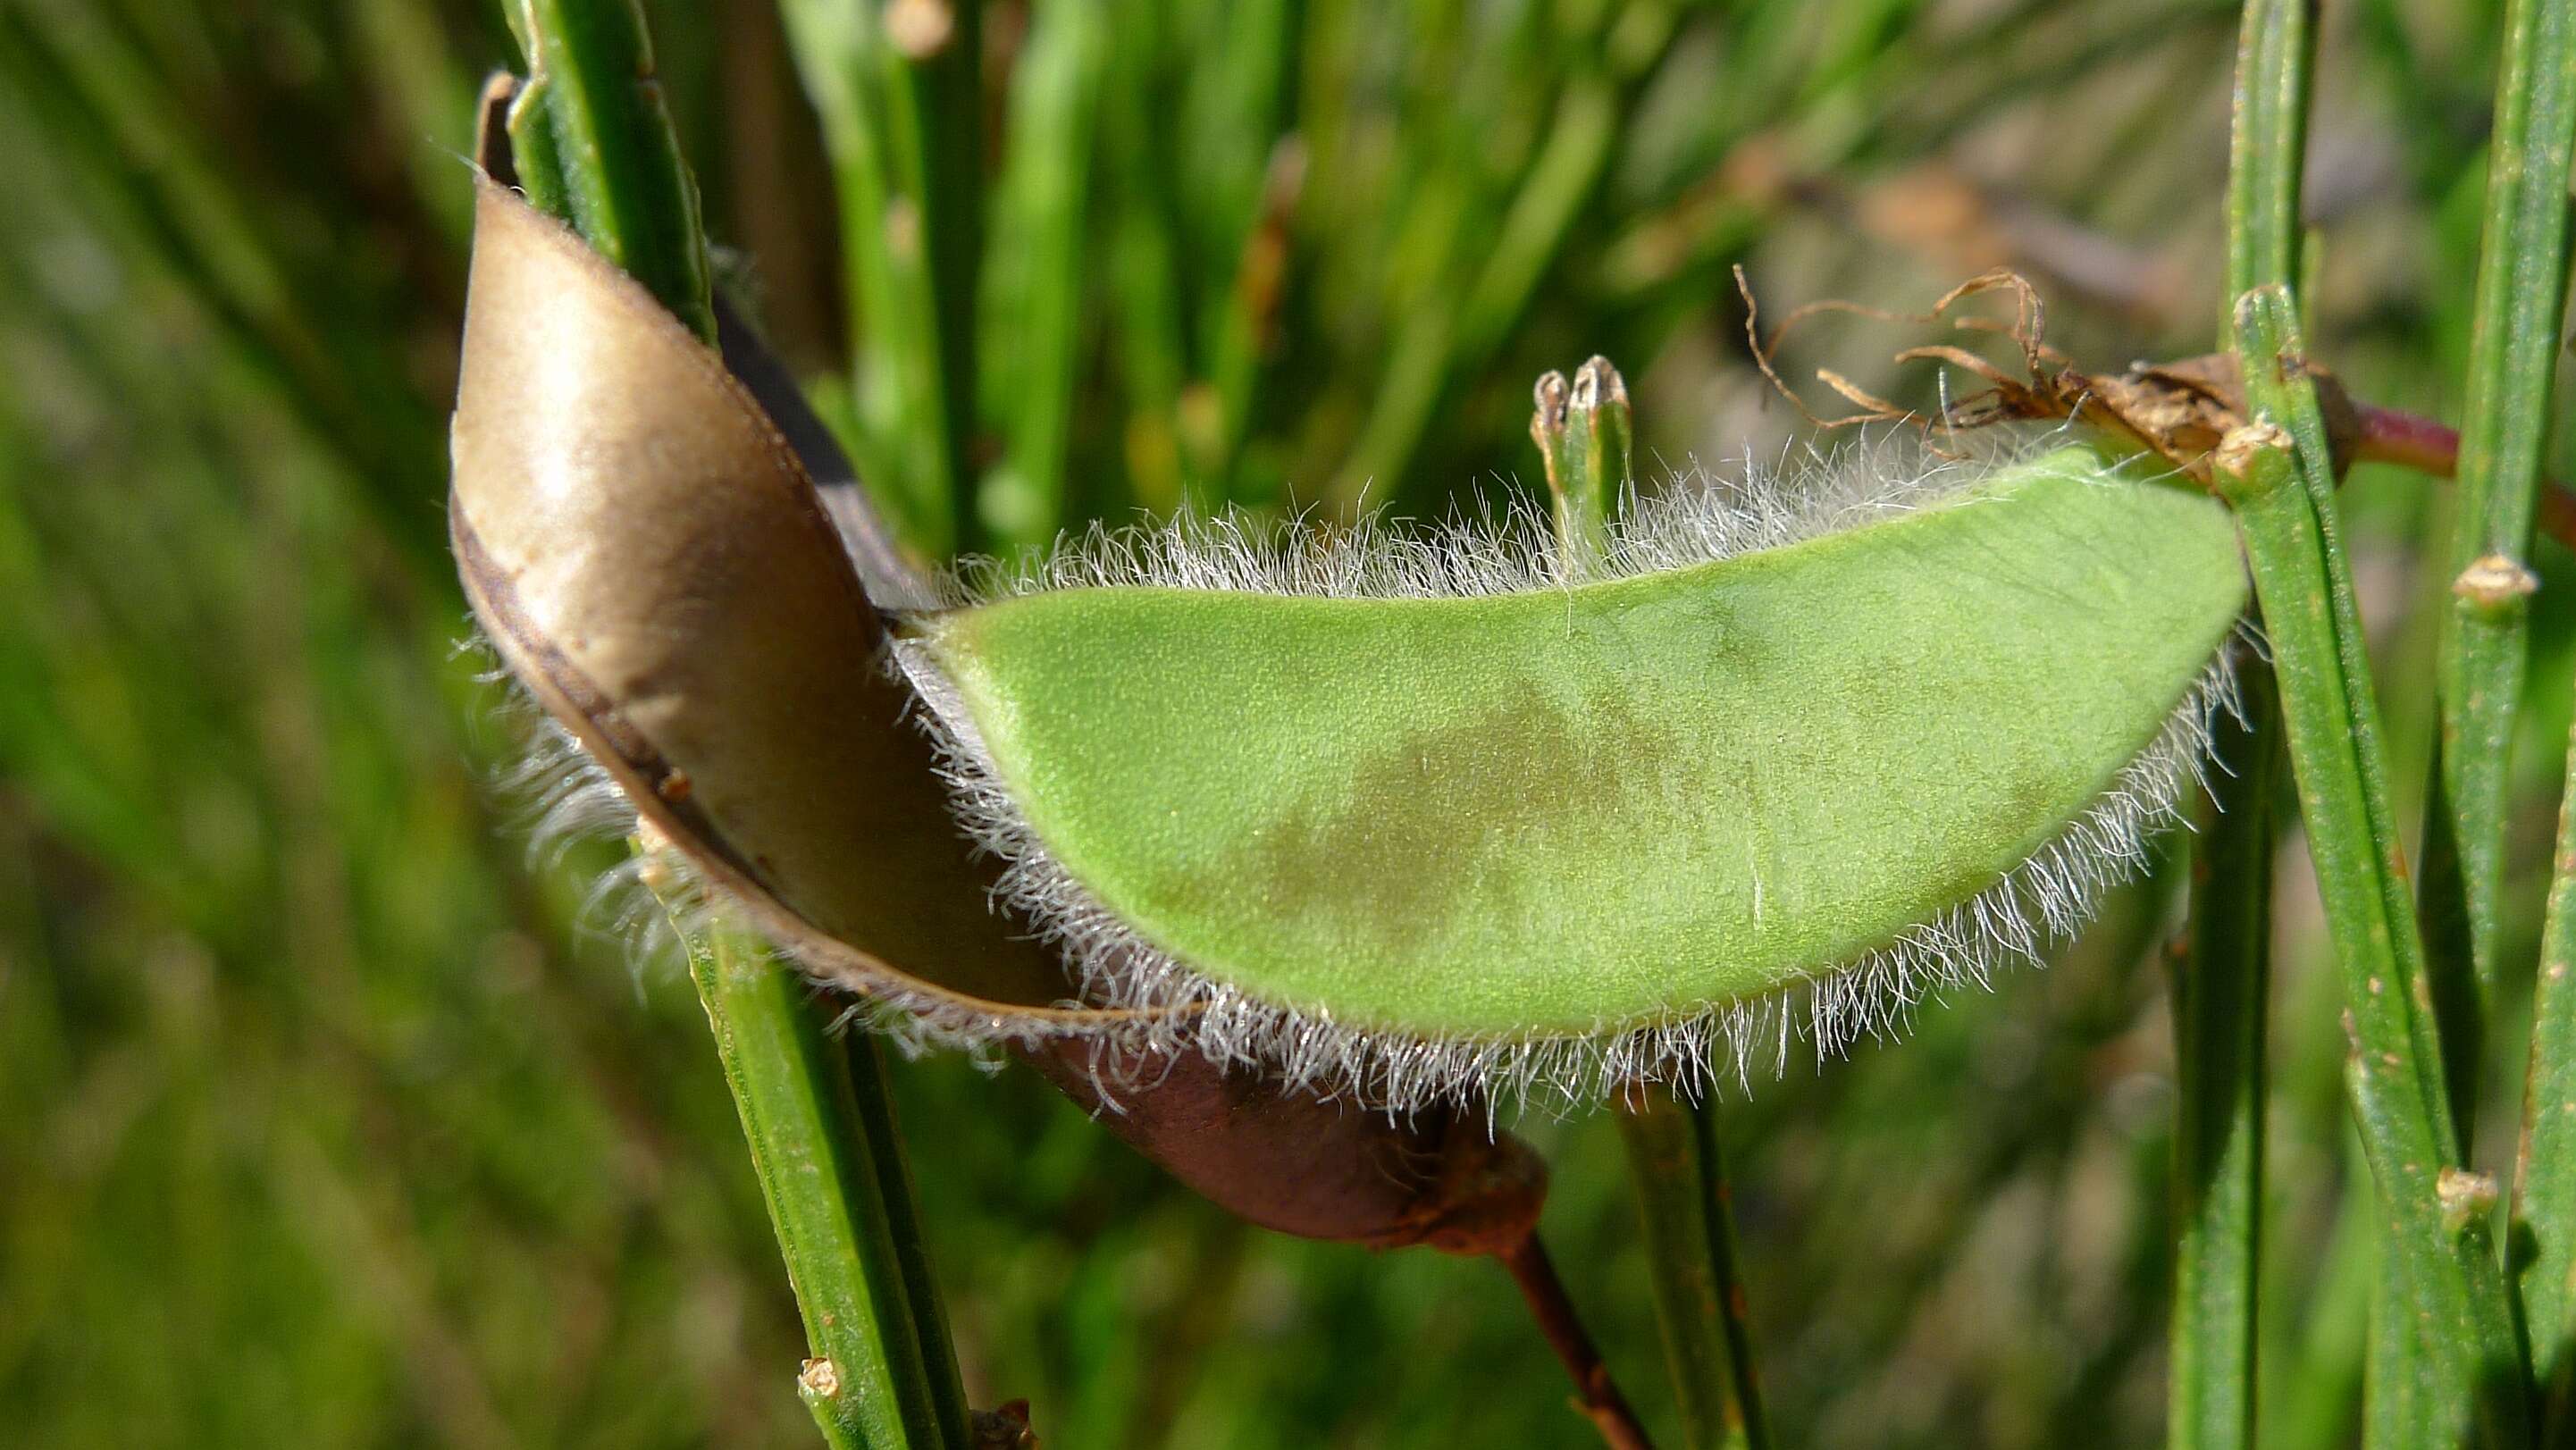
x=1417, y=819
x=1422, y=818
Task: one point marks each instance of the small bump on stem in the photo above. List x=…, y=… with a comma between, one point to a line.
x=2465, y=1197
x=2494, y=581
x=819, y=1379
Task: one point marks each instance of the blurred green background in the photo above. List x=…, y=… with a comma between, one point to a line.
x=328, y=1117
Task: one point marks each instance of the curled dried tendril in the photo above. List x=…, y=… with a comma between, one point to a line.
x=2177, y=411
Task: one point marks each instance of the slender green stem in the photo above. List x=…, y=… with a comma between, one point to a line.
x=2219, y=992
x=2220, y=985
x=2513, y=352
x=1717, y=1224
x=822, y=1142
x=2279, y=474
x=899, y=95
x=2521, y=287
x=875, y=1099
x=2545, y=1181
x=1686, y=1210
x=2485, y=629
x=822, y=1133
x=2267, y=143
x=1690, y=1287
x=1038, y=268
x=2275, y=58
x=591, y=121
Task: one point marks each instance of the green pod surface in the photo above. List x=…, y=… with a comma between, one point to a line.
x=1411, y=841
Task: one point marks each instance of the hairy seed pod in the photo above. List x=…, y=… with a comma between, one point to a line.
x=1410, y=818
x=643, y=545
x=1417, y=819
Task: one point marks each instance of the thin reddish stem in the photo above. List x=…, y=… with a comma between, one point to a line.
x=2419, y=443
x=2407, y=440
x=1595, y=1391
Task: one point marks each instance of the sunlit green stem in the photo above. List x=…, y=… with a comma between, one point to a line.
x=832, y=1173
x=2219, y=989
x=897, y=87
x=596, y=147
x=2278, y=473
x=2513, y=356
x=2485, y=628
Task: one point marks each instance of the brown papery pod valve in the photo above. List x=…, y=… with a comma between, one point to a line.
x=651, y=557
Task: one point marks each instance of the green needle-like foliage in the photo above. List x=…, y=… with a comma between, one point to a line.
x=323, y=1109
x=896, y=87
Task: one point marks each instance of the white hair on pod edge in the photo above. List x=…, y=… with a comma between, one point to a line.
x=2036, y=906
x=661, y=907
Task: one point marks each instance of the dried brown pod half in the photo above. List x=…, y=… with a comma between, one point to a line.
x=647, y=549
x=649, y=558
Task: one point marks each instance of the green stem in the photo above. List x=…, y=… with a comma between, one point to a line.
x=1038, y=268
x=2545, y=1178
x=2219, y=993
x=590, y=121
x=874, y=1096
x=2267, y=142
x=2521, y=296
x=2279, y=475
x=822, y=1133
x=2275, y=59
x=2219, y=989
x=1456, y=333
x=1717, y=1223
x=897, y=88
x=2513, y=351
x=2512, y=348
x=1660, y=1164
x=832, y=1173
